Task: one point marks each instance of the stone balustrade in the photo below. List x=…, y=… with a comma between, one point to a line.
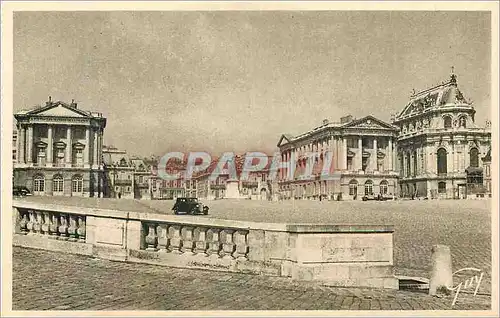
x=344, y=255
x=55, y=225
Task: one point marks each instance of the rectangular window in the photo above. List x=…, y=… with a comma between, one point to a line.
x=141, y=179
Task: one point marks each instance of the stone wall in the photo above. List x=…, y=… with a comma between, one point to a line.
x=338, y=255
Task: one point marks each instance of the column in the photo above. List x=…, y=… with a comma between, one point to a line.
x=375, y=150
x=99, y=146
x=343, y=155
x=69, y=147
x=87, y=146
x=333, y=148
x=22, y=150
x=359, y=159
x=94, y=150
x=50, y=144
x=455, y=158
x=18, y=146
x=29, y=145
x=390, y=155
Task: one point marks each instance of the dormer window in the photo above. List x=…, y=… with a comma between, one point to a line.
x=123, y=162
x=462, y=122
x=447, y=122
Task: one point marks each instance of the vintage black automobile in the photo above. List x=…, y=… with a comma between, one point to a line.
x=189, y=206
x=20, y=191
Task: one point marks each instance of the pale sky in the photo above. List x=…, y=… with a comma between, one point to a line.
x=235, y=81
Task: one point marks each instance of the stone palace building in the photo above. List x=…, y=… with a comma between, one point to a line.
x=440, y=146
x=59, y=150
x=432, y=149
x=363, y=156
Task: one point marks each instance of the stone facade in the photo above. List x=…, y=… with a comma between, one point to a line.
x=363, y=160
x=440, y=147
x=119, y=172
x=59, y=150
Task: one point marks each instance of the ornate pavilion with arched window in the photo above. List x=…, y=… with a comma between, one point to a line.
x=440, y=146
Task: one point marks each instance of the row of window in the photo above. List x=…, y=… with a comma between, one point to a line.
x=58, y=184
x=442, y=162
x=353, y=187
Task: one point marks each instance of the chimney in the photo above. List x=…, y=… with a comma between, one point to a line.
x=49, y=102
x=73, y=104
x=346, y=119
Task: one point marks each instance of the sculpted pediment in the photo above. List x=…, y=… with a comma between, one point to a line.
x=369, y=122
x=59, y=110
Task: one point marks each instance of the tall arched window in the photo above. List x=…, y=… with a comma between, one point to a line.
x=415, y=163
x=58, y=184
x=39, y=183
x=441, y=161
x=474, y=157
x=368, y=187
x=408, y=164
x=383, y=187
x=447, y=122
x=77, y=184
x=353, y=187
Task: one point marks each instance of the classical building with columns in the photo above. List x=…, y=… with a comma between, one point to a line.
x=363, y=159
x=440, y=146
x=59, y=150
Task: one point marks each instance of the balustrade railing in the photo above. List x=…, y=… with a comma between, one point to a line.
x=196, y=240
x=56, y=225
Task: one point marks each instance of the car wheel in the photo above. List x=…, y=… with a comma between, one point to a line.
x=176, y=212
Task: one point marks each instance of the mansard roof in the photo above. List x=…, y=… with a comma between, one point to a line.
x=440, y=96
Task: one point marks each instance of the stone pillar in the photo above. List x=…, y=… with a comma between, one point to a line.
x=375, y=150
x=395, y=162
x=359, y=159
x=50, y=144
x=441, y=276
x=390, y=156
x=343, y=155
x=18, y=146
x=29, y=145
x=69, y=147
x=94, y=150
x=22, y=145
x=86, y=160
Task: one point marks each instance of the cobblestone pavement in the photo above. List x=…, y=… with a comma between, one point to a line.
x=464, y=225
x=45, y=280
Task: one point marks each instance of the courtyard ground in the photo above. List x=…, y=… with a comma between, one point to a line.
x=464, y=225
x=44, y=280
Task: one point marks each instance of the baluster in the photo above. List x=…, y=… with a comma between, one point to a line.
x=241, y=240
x=201, y=244
x=187, y=240
x=46, y=223
x=214, y=243
x=37, y=224
x=228, y=246
x=72, y=228
x=163, y=240
x=63, y=228
x=175, y=238
x=31, y=221
x=54, y=226
x=151, y=239
x=81, y=229
x=23, y=222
